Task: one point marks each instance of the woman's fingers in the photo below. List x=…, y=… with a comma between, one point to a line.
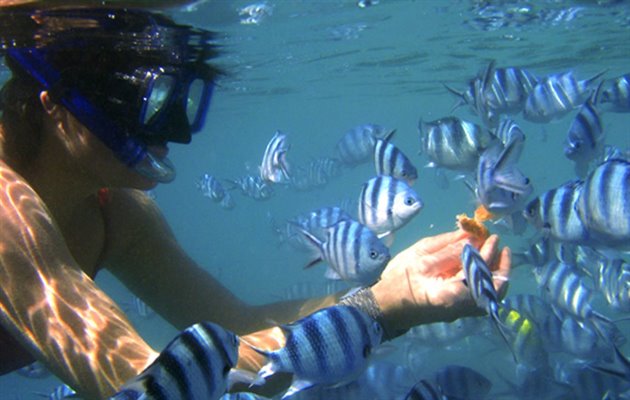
x=436, y=243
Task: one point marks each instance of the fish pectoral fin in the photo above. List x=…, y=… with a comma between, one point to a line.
x=297, y=386
x=236, y=376
x=332, y=274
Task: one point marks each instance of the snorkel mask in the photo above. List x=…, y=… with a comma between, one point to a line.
x=155, y=89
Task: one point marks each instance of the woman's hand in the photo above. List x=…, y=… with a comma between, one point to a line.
x=424, y=283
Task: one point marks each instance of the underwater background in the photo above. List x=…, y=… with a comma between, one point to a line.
x=314, y=70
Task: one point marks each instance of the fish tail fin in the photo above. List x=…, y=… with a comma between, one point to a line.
x=500, y=325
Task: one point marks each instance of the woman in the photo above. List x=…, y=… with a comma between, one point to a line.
x=94, y=98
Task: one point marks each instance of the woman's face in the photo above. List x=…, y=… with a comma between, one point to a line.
x=92, y=160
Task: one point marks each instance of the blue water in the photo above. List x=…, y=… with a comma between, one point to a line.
x=315, y=69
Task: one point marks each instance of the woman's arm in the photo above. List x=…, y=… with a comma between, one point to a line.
x=144, y=254
x=52, y=307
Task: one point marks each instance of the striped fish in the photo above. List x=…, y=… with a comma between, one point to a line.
x=356, y=146
x=274, y=167
x=614, y=283
x=453, y=143
x=525, y=339
x=563, y=285
x=315, y=222
x=387, y=204
x=460, y=382
x=556, y=95
x=59, y=393
x=604, y=206
x=328, y=347
x=194, y=365
x=554, y=212
x=585, y=139
x=390, y=161
x=353, y=252
x=425, y=390
x=317, y=173
x=253, y=186
x=211, y=188
x=479, y=280
x=504, y=92
x=614, y=96
x=501, y=188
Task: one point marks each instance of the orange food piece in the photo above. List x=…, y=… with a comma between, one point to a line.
x=475, y=224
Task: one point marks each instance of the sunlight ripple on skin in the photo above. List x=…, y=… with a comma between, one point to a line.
x=68, y=319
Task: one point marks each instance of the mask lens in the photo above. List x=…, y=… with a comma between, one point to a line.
x=158, y=98
x=195, y=94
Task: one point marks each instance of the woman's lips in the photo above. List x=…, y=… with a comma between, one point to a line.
x=158, y=151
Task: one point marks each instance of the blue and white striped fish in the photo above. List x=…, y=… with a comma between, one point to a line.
x=614, y=95
x=585, y=139
x=195, y=365
x=386, y=204
x=556, y=95
x=604, y=205
x=501, y=188
x=329, y=347
x=508, y=131
x=613, y=281
x=425, y=389
x=479, y=280
x=554, y=212
x=504, y=90
x=563, y=285
x=253, y=186
x=391, y=161
x=352, y=251
x=460, y=382
x=356, y=146
x=61, y=392
x=211, y=188
x=317, y=173
x=453, y=143
x=275, y=167
x=315, y=222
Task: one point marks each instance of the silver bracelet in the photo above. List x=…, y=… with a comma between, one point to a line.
x=364, y=300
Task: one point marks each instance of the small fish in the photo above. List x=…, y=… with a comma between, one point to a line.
x=564, y=286
x=390, y=161
x=211, y=188
x=604, y=206
x=460, y=382
x=554, y=212
x=507, y=132
x=317, y=173
x=453, y=143
x=253, y=186
x=525, y=338
x=315, y=222
x=585, y=139
x=501, y=188
x=255, y=13
x=243, y=396
x=59, y=393
x=386, y=204
x=35, y=370
x=425, y=389
x=328, y=347
x=356, y=146
x=556, y=95
x=194, y=365
x=614, y=95
x=479, y=280
x=352, y=251
x=274, y=167
x=497, y=91
x=613, y=282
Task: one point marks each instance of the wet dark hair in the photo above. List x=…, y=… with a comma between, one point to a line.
x=96, y=52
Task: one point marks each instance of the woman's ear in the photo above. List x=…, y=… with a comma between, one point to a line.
x=49, y=105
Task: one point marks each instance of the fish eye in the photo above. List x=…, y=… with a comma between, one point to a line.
x=366, y=351
x=409, y=201
x=373, y=254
